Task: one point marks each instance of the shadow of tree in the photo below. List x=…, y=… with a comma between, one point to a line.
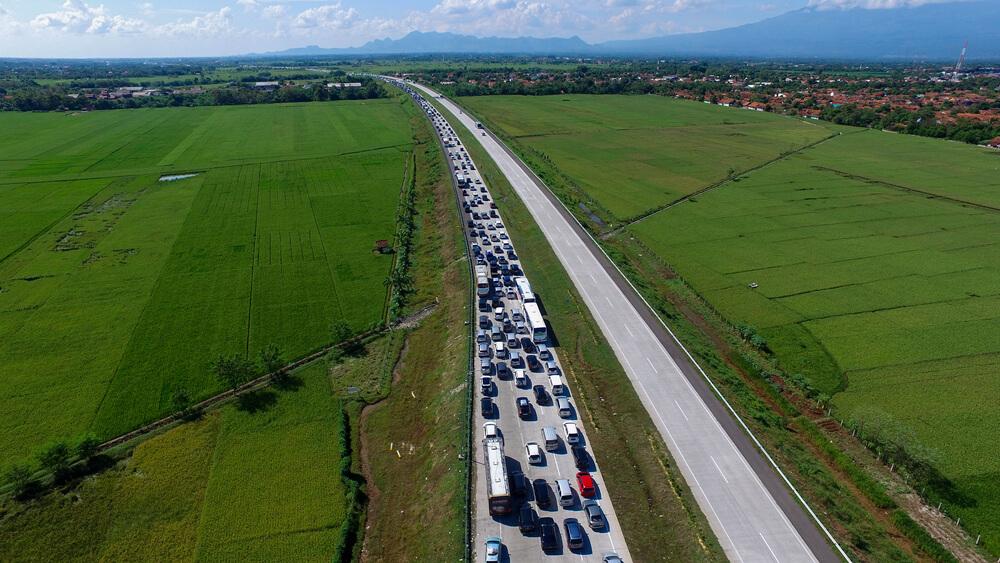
x=257, y=401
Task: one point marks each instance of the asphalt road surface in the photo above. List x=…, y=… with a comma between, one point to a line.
x=748, y=506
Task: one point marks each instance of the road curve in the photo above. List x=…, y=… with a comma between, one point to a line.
x=749, y=507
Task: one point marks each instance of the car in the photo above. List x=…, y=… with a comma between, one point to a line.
x=516, y=361
x=541, y=489
x=476, y=249
x=534, y=453
x=520, y=378
x=493, y=546
x=490, y=227
x=502, y=371
x=611, y=558
x=511, y=293
x=551, y=368
x=543, y=352
x=484, y=322
x=595, y=516
x=507, y=246
x=498, y=225
x=533, y=363
x=491, y=430
x=528, y=345
x=486, y=385
x=503, y=236
x=486, y=404
x=485, y=366
x=586, y=483
x=574, y=533
x=517, y=484
x=547, y=533
x=525, y=519
x=484, y=350
x=580, y=457
x=471, y=223
x=523, y=407
x=541, y=395
x=572, y=433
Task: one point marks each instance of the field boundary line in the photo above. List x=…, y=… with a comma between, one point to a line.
x=690, y=357
x=260, y=382
x=253, y=258
x=868, y=180
x=676, y=202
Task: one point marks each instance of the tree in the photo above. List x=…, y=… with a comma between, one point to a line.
x=234, y=370
x=340, y=332
x=271, y=359
x=86, y=445
x=20, y=476
x=181, y=399
x=55, y=456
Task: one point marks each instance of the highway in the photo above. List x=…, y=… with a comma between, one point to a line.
x=506, y=304
x=748, y=505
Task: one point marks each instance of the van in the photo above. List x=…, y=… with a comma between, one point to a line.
x=556, y=383
x=544, y=353
x=572, y=433
x=564, y=492
x=551, y=368
x=565, y=410
x=550, y=438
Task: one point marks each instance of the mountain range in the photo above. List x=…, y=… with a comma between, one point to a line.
x=931, y=31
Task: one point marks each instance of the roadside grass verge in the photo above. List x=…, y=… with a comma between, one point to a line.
x=413, y=440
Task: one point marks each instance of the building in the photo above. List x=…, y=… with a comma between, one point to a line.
x=265, y=85
x=994, y=144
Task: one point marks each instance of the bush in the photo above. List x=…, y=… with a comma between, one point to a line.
x=20, y=476
x=86, y=446
x=55, y=456
x=919, y=535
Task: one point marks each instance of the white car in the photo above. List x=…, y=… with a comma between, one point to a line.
x=490, y=430
x=520, y=378
x=534, y=453
x=572, y=433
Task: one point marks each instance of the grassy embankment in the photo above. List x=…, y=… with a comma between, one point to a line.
x=723, y=234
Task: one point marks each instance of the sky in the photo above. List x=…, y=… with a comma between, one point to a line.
x=208, y=28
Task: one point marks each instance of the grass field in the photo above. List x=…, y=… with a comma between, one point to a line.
x=116, y=288
x=253, y=481
x=633, y=153
x=877, y=259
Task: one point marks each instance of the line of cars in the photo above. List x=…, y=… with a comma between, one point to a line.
x=508, y=350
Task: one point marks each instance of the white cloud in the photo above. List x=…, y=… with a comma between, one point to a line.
x=249, y=5
x=766, y=7
x=78, y=17
x=674, y=6
x=275, y=12
x=470, y=6
x=3, y=11
x=329, y=16
x=212, y=24
x=873, y=4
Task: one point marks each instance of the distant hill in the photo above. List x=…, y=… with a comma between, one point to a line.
x=932, y=31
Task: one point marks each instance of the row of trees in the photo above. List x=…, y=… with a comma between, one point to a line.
x=58, y=99
x=922, y=122
x=237, y=369
x=56, y=457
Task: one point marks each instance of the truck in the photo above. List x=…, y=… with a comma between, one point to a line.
x=483, y=285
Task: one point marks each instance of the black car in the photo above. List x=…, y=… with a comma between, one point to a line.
x=581, y=457
x=541, y=493
x=523, y=407
x=484, y=321
x=547, y=532
x=533, y=363
x=528, y=344
x=487, y=405
x=541, y=396
x=526, y=519
x=471, y=223
x=517, y=484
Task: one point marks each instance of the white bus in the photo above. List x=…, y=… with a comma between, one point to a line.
x=524, y=289
x=497, y=485
x=460, y=178
x=536, y=324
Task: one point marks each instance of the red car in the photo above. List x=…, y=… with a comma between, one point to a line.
x=586, y=483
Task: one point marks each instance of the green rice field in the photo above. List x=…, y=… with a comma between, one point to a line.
x=876, y=258
x=117, y=288
x=236, y=485
x=634, y=153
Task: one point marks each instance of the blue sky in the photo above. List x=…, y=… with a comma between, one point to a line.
x=159, y=28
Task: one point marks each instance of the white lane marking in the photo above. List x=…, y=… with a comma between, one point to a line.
x=682, y=410
x=717, y=467
x=610, y=304
x=652, y=366
x=768, y=546
x=629, y=330
x=580, y=259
